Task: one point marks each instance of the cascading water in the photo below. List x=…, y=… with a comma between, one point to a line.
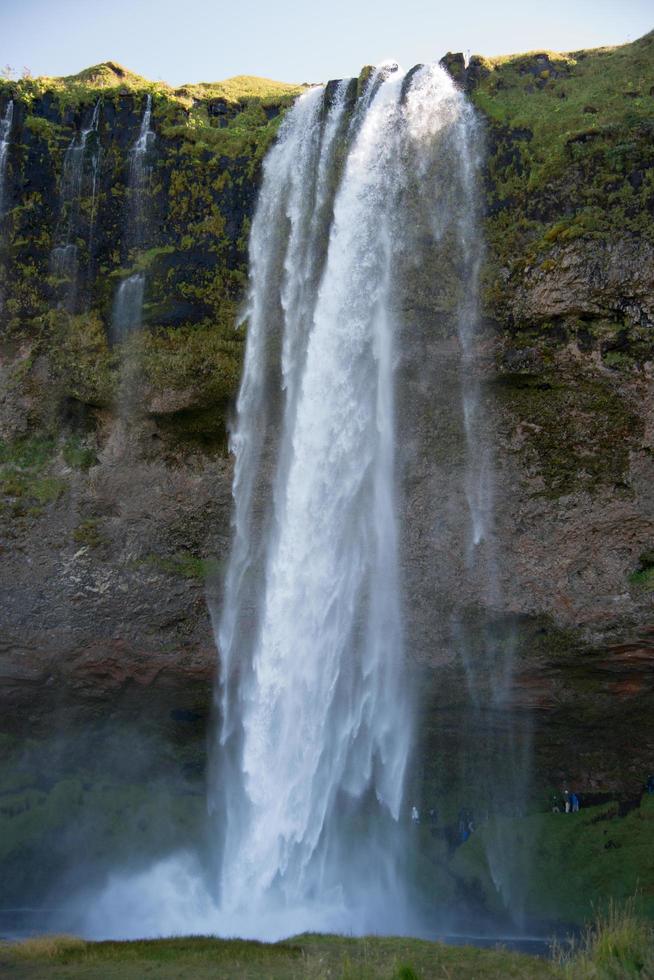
x=5, y=136
x=314, y=702
x=489, y=657
x=479, y=748
x=128, y=305
x=79, y=182
x=140, y=172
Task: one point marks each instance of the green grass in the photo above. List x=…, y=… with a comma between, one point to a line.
x=110, y=78
x=570, y=152
x=240, y=88
x=586, y=92
x=313, y=957
x=617, y=945
x=576, y=863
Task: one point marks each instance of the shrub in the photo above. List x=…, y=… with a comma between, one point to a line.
x=617, y=945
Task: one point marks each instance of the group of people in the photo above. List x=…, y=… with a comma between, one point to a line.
x=432, y=816
x=566, y=803
x=569, y=803
x=465, y=825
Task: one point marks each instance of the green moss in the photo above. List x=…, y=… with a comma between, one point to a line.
x=575, y=431
x=22, y=476
x=205, y=359
x=643, y=576
x=50, y=132
x=78, y=454
x=88, y=533
x=83, y=365
x=29, y=452
x=186, y=565
x=555, y=171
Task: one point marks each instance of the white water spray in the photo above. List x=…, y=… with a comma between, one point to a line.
x=315, y=708
x=315, y=711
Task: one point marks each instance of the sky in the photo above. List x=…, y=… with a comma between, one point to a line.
x=206, y=40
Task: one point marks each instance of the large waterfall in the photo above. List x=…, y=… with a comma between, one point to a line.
x=362, y=252
x=314, y=700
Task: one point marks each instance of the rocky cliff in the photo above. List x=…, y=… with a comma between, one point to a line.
x=114, y=471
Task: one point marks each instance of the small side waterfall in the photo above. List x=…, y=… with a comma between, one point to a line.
x=140, y=172
x=128, y=305
x=316, y=719
x=5, y=137
x=79, y=188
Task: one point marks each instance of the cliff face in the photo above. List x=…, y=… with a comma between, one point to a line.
x=570, y=301
x=114, y=472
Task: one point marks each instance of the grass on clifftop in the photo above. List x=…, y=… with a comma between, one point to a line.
x=557, y=96
x=569, y=148
x=240, y=88
x=110, y=78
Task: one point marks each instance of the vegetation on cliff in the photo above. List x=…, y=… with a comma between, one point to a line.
x=561, y=123
x=209, y=143
x=569, y=187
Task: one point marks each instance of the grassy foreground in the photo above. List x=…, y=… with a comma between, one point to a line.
x=618, y=945
x=311, y=957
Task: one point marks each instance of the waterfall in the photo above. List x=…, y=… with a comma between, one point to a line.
x=316, y=720
x=363, y=262
x=140, y=172
x=128, y=305
x=79, y=182
x=492, y=746
x=5, y=136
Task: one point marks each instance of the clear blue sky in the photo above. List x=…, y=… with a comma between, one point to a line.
x=206, y=40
